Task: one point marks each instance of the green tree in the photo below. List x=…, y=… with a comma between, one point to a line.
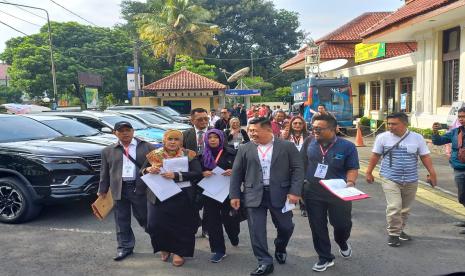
x=194, y=65
x=77, y=48
x=255, y=27
x=283, y=91
x=176, y=27
x=10, y=95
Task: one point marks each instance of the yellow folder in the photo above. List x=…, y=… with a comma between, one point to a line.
x=102, y=206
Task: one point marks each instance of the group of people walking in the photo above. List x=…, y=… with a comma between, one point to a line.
x=271, y=165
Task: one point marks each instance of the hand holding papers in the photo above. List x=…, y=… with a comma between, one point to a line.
x=338, y=187
x=288, y=207
x=216, y=186
x=163, y=188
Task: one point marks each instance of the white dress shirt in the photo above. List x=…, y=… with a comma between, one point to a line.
x=126, y=161
x=265, y=153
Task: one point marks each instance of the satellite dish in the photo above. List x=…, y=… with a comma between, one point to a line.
x=331, y=65
x=239, y=74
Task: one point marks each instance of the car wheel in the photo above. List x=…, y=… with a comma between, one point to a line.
x=16, y=203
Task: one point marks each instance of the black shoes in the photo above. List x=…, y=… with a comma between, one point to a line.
x=394, y=241
x=262, y=270
x=459, y=223
x=280, y=257
x=121, y=255
x=234, y=241
x=404, y=237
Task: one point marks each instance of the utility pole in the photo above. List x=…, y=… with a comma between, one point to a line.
x=251, y=63
x=136, y=72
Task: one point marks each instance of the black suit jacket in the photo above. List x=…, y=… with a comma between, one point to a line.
x=190, y=140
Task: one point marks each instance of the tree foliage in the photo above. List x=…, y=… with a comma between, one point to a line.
x=197, y=66
x=77, y=48
x=176, y=27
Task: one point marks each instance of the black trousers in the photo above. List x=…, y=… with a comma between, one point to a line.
x=460, y=181
x=340, y=217
x=257, y=229
x=216, y=215
x=122, y=209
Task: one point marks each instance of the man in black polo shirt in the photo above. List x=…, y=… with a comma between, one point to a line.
x=328, y=157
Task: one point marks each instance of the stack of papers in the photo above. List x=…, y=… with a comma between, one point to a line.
x=216, y=186
x=338, y=187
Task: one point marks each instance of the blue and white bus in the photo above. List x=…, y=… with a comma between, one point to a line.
x=335, y=94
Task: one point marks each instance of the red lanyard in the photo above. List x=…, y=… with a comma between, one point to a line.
x=296, y=139
x=126, y=151
x=266, y=151
x=218, y=157
x=324, y=152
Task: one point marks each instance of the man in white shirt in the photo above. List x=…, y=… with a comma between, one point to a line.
x=213, y=118
x=400, y=149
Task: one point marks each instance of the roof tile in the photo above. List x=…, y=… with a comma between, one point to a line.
x=185, y=80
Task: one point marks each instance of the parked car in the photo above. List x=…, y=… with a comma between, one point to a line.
x=162, y=110
x=105, y=122
x=152, y=119
x=38, y=165
x=73, y=128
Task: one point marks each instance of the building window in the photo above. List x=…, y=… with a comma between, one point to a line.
x=390, y=92
x=451, y=70
x=406, y=88
x=375, y=92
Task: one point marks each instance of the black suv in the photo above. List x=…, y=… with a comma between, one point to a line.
x=38, y=165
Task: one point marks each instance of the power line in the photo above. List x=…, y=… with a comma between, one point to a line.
x=20, y=19
x=70, y=11
x=1, y=22
x=23, y=9
x=240, y=59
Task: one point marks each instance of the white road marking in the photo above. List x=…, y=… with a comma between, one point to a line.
x=76, y=230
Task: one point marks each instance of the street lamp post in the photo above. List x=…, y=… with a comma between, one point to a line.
x=51, y=48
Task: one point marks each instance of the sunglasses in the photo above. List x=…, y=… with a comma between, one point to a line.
x=320, y=129
x=202, y=119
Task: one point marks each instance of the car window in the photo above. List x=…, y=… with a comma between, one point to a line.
x=152, y=118
x=113, y=119
x=71, y=128
x=23, y=129
x=168, y=111
x=93, y=123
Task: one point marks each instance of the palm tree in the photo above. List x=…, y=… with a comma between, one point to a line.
x=177, y=27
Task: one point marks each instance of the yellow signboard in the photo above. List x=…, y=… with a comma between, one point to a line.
x=364, y=52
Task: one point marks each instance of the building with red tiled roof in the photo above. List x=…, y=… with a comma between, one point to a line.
x=438, y=28
x=379, y=85
x=340, y=44
x=185, y=90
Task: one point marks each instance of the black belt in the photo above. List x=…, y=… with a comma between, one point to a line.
x=129, y=182
x=266, y=188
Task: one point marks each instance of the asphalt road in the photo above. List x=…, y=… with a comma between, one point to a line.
x=68, y=240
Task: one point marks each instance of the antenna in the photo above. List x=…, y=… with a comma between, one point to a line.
x=239, y=74
x=332, y=65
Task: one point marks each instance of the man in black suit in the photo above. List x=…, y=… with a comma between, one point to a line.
x=121, y=163
x=223, y=123
x=193, y=139
x=271, y=172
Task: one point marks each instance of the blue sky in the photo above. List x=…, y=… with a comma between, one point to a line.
x=316, y=17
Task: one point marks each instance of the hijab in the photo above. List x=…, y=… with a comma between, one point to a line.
x=209, y=153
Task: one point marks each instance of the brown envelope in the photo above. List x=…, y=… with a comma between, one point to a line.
x=102, y=206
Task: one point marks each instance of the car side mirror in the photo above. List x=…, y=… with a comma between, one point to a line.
x=106, y=130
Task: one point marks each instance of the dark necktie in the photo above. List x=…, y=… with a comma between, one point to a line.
x=200, y=142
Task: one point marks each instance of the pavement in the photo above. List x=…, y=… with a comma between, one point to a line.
x=67, y=240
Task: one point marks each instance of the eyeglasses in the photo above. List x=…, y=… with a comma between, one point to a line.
x=320, y=129
x=297, y=123
x=202, y=119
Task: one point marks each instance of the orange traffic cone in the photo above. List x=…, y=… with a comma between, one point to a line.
x=359, y=137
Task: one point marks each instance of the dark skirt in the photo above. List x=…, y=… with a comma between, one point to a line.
x=172, y=225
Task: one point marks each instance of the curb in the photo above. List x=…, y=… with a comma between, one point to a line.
x=438, y=198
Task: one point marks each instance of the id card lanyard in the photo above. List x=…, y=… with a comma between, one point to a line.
x=325, y=152
x=263, y=153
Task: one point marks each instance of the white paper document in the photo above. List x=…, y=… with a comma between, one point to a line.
x=178, y=164
x=288, y=207
x=221, y=196
x=215, y=183
x=339, y=188
x=163, y=188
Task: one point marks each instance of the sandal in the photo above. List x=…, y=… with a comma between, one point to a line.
x=178, y=260
x=165, y=256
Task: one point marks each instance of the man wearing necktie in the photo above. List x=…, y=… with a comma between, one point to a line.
x=272, y=173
